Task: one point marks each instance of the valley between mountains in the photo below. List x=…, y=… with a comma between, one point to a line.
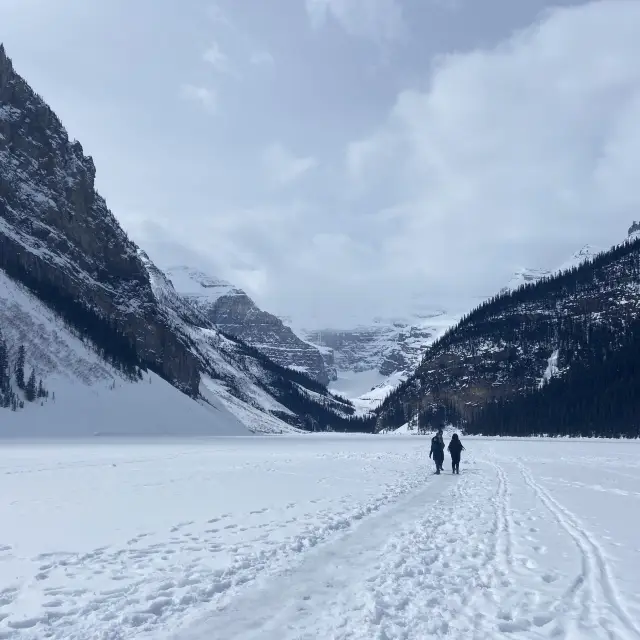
x=177, y=463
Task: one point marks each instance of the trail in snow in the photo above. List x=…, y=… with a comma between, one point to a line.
x=455, y=560
x=600, y=604
x=318, y=537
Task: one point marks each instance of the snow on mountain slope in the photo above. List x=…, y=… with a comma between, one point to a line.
x=510, y=342
x=388, y=351
x=525, y=276
x=530, y=276
x=370, y=361
x=232, y=311
x=61, y=242
x=199, y=287
x=87, y=396
x=59, y=238
x=251, y=387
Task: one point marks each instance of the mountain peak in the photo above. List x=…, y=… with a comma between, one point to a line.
x=6, y=67
x=194, y=283
x=634, y=230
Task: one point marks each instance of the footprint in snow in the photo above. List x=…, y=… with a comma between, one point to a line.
x=542, y=620
x=181, y=525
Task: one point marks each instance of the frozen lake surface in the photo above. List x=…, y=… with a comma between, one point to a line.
x=318, y=537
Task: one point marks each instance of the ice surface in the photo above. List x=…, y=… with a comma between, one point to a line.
x=318, y=537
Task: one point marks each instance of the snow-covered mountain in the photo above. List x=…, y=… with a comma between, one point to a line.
x=529, y=276
x=87, y=395
x=514, y=343
x=234, y=313
x=97, y=315
x=370, y=361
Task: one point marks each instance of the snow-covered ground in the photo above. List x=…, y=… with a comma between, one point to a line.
x=365, y=389
x=318, y=537
x=86, y=395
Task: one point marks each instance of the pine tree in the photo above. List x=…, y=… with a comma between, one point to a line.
x=30, y=391
x=20, y=367
x=5, y=380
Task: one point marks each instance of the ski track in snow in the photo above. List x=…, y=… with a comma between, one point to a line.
x=594, y=587
x=344, y=538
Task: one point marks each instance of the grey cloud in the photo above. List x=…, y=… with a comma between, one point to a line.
x=204, y=96
x=380, y=20
x=486, y=142
x=283, y=167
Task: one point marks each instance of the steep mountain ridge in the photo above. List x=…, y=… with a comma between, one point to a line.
x=60, y=241
x=58, y=237
x=518, y=339
x=530, y=276
x=387, y=352
x=371, y=360
x=232, y=311
x=86, y=394
x=252, y=386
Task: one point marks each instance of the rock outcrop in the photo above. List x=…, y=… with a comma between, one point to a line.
x=233, y=312
x=59, y=238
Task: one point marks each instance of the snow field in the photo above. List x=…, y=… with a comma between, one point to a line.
x=119, y=540
x=319, y=537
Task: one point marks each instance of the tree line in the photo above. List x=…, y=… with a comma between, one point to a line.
x=11, y=374
x=598, y=396
x=589, y=314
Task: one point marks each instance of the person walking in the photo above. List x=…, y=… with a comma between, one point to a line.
x=455, y=449
x=437, y=451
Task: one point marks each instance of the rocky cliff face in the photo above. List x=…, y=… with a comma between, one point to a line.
x=57, y=234
x=232, y=311
x=385, y=346
x=60, y=241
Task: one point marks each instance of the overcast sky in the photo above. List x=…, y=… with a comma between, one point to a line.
x=342, y=159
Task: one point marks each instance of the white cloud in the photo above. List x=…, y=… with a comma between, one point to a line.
x=217, y=15
x=379, y=20
x=512, y=153
x=262, y=59
x=202, y=95
x=282, y=167
x=218, y=60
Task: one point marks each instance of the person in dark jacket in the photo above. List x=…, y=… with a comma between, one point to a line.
x=437, y=450
x=455, y=449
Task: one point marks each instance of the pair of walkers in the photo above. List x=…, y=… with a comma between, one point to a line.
x=437, y=451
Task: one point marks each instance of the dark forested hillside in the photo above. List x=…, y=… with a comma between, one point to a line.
x=598, y=396
x=509, y=345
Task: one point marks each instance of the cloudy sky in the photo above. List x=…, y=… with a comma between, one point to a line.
x=342, y=159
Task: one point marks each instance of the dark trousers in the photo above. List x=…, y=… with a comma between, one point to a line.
x=439, y=460
x=455, y=463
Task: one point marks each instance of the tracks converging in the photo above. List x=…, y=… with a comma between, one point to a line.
x=593, y=590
